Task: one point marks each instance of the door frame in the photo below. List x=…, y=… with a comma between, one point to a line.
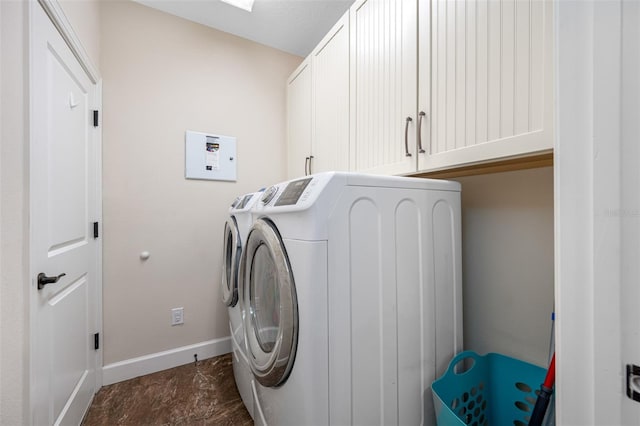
x=57, y=16
x=590, y=86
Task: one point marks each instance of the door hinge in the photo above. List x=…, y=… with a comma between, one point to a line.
x=96, y=341
x=96, y=232
x=95, y=118
x=633, y=382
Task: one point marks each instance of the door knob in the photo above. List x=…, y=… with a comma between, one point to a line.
x=44, y=280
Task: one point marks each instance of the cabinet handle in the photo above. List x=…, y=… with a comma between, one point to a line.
x=306, y=165
x=420, y=117
x=310, y=158
x=406, y=137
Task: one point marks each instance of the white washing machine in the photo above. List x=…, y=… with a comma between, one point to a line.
x=236, y=229
x=350, y=286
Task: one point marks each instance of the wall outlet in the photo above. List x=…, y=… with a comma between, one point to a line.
x=177, y=316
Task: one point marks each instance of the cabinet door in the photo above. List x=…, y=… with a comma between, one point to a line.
x=330, y=63
x=485, y=80
x=383, y=85
x=299, y=120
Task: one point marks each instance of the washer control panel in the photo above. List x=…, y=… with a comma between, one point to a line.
x=269, y=194
x=292, y=192
x=235, y=203
x=297, y=194
x=244, y=201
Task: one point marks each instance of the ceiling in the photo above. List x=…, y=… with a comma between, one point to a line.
x=294, y=26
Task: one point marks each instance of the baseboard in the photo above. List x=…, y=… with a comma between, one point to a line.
x=147, y=364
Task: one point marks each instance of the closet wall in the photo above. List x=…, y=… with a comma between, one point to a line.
x=508, y=263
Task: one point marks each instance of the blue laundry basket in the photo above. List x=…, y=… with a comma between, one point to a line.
x=495, y=390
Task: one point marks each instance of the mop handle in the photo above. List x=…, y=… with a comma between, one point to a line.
x=551, y=374
x=545, y=395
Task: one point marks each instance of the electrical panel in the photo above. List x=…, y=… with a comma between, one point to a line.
x=209, y=156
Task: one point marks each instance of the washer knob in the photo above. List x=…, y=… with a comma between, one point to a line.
x=269, y=194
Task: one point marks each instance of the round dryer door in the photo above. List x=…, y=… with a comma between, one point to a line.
x=231, y=251
x=270, y=305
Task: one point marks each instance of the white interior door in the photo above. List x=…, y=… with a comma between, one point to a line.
x=64, y=204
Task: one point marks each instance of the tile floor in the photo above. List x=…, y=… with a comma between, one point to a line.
x=202, y=394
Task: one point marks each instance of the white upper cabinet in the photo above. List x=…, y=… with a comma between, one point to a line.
x=485, y=77
x=318, y=107
x=330, y=64
x=299, y=120
x=426, y=86
x=383, y=86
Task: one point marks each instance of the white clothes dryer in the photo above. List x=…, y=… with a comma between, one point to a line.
x=350, y=286
x=235, y=234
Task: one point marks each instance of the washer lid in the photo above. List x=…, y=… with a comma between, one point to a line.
x=231, y=252
x=269, y=304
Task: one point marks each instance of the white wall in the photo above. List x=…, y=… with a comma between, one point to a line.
x=14, y=283
x=508, y=263
x=163, y=75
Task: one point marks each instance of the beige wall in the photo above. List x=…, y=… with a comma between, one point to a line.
x=164, y=75
x=14, y=258
x=84, y=16
x=507, y=258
